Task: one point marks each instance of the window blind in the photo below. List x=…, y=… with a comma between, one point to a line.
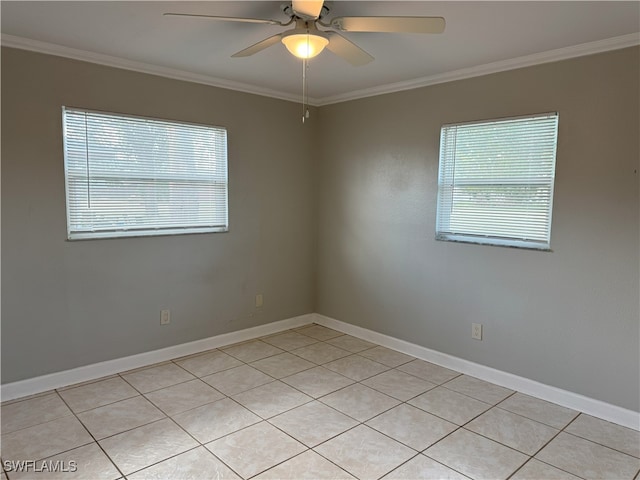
x=495, y=183
x=135, y=176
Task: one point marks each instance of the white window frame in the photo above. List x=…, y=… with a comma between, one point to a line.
x=475, y=227
x=193, y=186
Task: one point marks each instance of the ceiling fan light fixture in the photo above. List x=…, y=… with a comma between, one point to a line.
x=305, y=44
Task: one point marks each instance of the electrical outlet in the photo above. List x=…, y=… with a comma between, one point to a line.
x=165, y=317
x=476, y=331
x=259, y=300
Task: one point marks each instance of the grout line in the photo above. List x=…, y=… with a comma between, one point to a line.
x=447, y=466
x=87, y=383
x=107, y=404
x=92, y=436
x=600, y=444
x=6, y=403
x=335, y=436
x=280, y=463
x=268, y=420
x=251, y=341
x=547, y=443
x=168, y=458
x=596, y=442
x=188, y=409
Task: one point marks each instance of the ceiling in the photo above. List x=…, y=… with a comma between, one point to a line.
x=480, y=37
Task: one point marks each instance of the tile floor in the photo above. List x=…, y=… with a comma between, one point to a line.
x=306, y=403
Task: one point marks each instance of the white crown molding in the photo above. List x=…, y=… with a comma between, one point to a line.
x=566, y=53
x=583, y=49
x=22, y=43
x=575, y=401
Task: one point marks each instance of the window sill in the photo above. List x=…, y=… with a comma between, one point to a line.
x=495, y=242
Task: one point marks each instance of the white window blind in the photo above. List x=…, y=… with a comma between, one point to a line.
x=135, y=176
x=496, y=179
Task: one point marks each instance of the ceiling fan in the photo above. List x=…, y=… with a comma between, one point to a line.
x=306, y=40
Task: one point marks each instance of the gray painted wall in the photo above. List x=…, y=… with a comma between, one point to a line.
x=67, y=304
x=568, y=318
x=352, y=224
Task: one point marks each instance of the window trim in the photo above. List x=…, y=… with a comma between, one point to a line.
x=498, y=241
x=138, y=232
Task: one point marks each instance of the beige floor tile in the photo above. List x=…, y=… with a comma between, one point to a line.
x=97, y=394
x=255, y=449
x=252, y=351
x=539, y=410
x=605, y=433
x=45, y=439
x=450, y=405
x=313, y=423
x=412, y=426
x=306, y=466
x=118, y=417
x=356, y=367
x=359, y=402
x=213, y=420
x=89, y=462
x=317, y=381
x=289, y=340
x=238, y=379
x=34, y=411
x=365, y=453
x=145, y=367
x=478, y=389
x=183, y=396
x=196, y=464
x=144, y=446
x=536, y=470
x=43, y=427
x=428, y=371
x=271, y=399
x=398, y=384
x=319, y=332
x=424, y=468
x=587, y=459
x=386, y=356
x=520, y=433
x=320, y=353
x=476, y=456
x=208, y=363
x=4, y=403
x=352, y=344
x=282, y=365
x=157, y=377
x=87, y=382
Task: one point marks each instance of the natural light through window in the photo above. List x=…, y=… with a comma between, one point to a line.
x=496, y=181
x=134, y=176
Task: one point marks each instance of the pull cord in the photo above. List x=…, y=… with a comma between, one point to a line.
x=305, y=91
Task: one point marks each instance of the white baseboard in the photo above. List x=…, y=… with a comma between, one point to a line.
x=575, y=401
x=85, y=373
x=597, y=408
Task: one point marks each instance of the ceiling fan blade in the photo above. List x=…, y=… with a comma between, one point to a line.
x=389, y=24
x=258, y=47
x=348, y=50
x=307, y=8
x=226, y=19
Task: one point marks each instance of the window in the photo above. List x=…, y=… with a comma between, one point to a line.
x=496, y=181
x=132, y=176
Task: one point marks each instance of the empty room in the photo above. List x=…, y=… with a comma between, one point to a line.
x=320, y=240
